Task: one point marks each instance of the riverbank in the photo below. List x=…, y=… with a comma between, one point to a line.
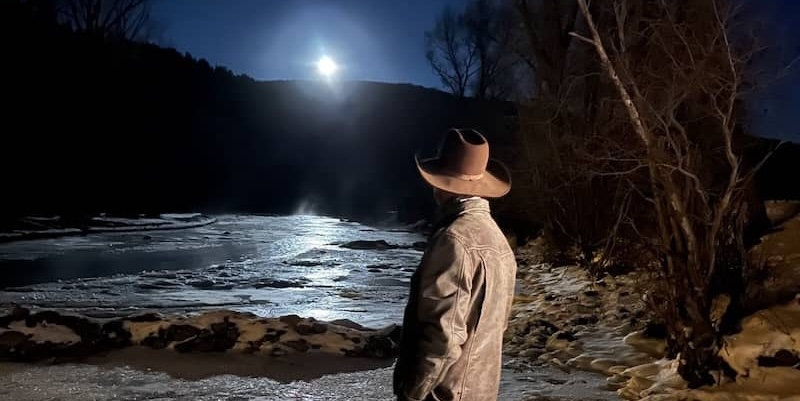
x=39, y=227
x=565, y=318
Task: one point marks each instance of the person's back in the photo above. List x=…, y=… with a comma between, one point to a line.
x=458, y=308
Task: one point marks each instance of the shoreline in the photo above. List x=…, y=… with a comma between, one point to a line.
x=164, y=223
x=197, y=366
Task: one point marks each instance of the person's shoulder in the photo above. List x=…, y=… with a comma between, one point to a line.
x=473, y=229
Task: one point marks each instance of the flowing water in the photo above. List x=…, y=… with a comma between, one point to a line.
x=269, y=266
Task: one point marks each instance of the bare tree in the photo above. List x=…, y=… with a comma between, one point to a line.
x=490, y=28
x=680, y=78
x=546, y=44
x=470, y=50
x=450, y=53
x=124, y=19
x=564, y=130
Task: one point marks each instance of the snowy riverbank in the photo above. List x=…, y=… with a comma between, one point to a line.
x=564, y=318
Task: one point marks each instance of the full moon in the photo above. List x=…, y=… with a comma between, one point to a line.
x=326, y=66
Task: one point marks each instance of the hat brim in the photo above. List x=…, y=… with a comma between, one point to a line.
x=495, y=182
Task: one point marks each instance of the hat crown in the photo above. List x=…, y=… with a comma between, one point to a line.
x=464, y=152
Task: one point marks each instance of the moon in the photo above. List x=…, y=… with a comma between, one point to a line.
x=326, y=66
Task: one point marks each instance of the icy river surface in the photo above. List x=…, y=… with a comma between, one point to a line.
x=270, y=266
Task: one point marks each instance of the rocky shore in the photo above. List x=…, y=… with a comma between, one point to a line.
x=49, y=335
x=562, y=317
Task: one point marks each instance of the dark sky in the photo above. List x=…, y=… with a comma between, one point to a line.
x=383, y=40
x=376, y=40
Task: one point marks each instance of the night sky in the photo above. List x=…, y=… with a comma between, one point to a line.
x=381, y=40
x=375, y=40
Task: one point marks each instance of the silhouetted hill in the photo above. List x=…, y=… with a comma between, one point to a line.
x=93, y=125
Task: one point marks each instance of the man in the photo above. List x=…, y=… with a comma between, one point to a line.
x=461, y=293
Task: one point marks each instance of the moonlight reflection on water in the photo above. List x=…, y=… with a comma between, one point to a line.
x=265, y=265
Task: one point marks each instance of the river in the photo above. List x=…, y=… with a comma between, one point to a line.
x=269, y=266
x=266, y=265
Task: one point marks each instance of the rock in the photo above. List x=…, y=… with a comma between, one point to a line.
x=559, y=341
x=43, y=316
x=157, y=341
x=533, y=341
x=15, y=314
x=272, y=336
x=300, y=345
x=114, y=335
x=349, y=293
x=550, y=328
x=318, y=328
x=604, y=365
x=617, y=369
x=202, y=283
x=584, y=320
x=560, y=365
x=348, y=323
x=617, y=380
x=379, y=245
x=11, y=339
x=291, y=320
x=654, y=347
x=591, y=293
x=272, y=283
x=531, y=353
x=380, y=347
x=180, y=332
x=303, y=328
x=781, y=358
x=221, y=337
x=305, y=263
x=374, y=270
x=565, y=335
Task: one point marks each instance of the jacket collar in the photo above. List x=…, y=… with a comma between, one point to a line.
x=454, y=207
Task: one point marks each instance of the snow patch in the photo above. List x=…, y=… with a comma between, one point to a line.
x=764, y=335
x=765, y=356
x=269, y=335
x=44, y=332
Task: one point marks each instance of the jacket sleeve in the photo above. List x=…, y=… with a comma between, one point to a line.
x=443, y=306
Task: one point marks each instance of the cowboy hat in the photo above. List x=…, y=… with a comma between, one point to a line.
x=463, y=166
